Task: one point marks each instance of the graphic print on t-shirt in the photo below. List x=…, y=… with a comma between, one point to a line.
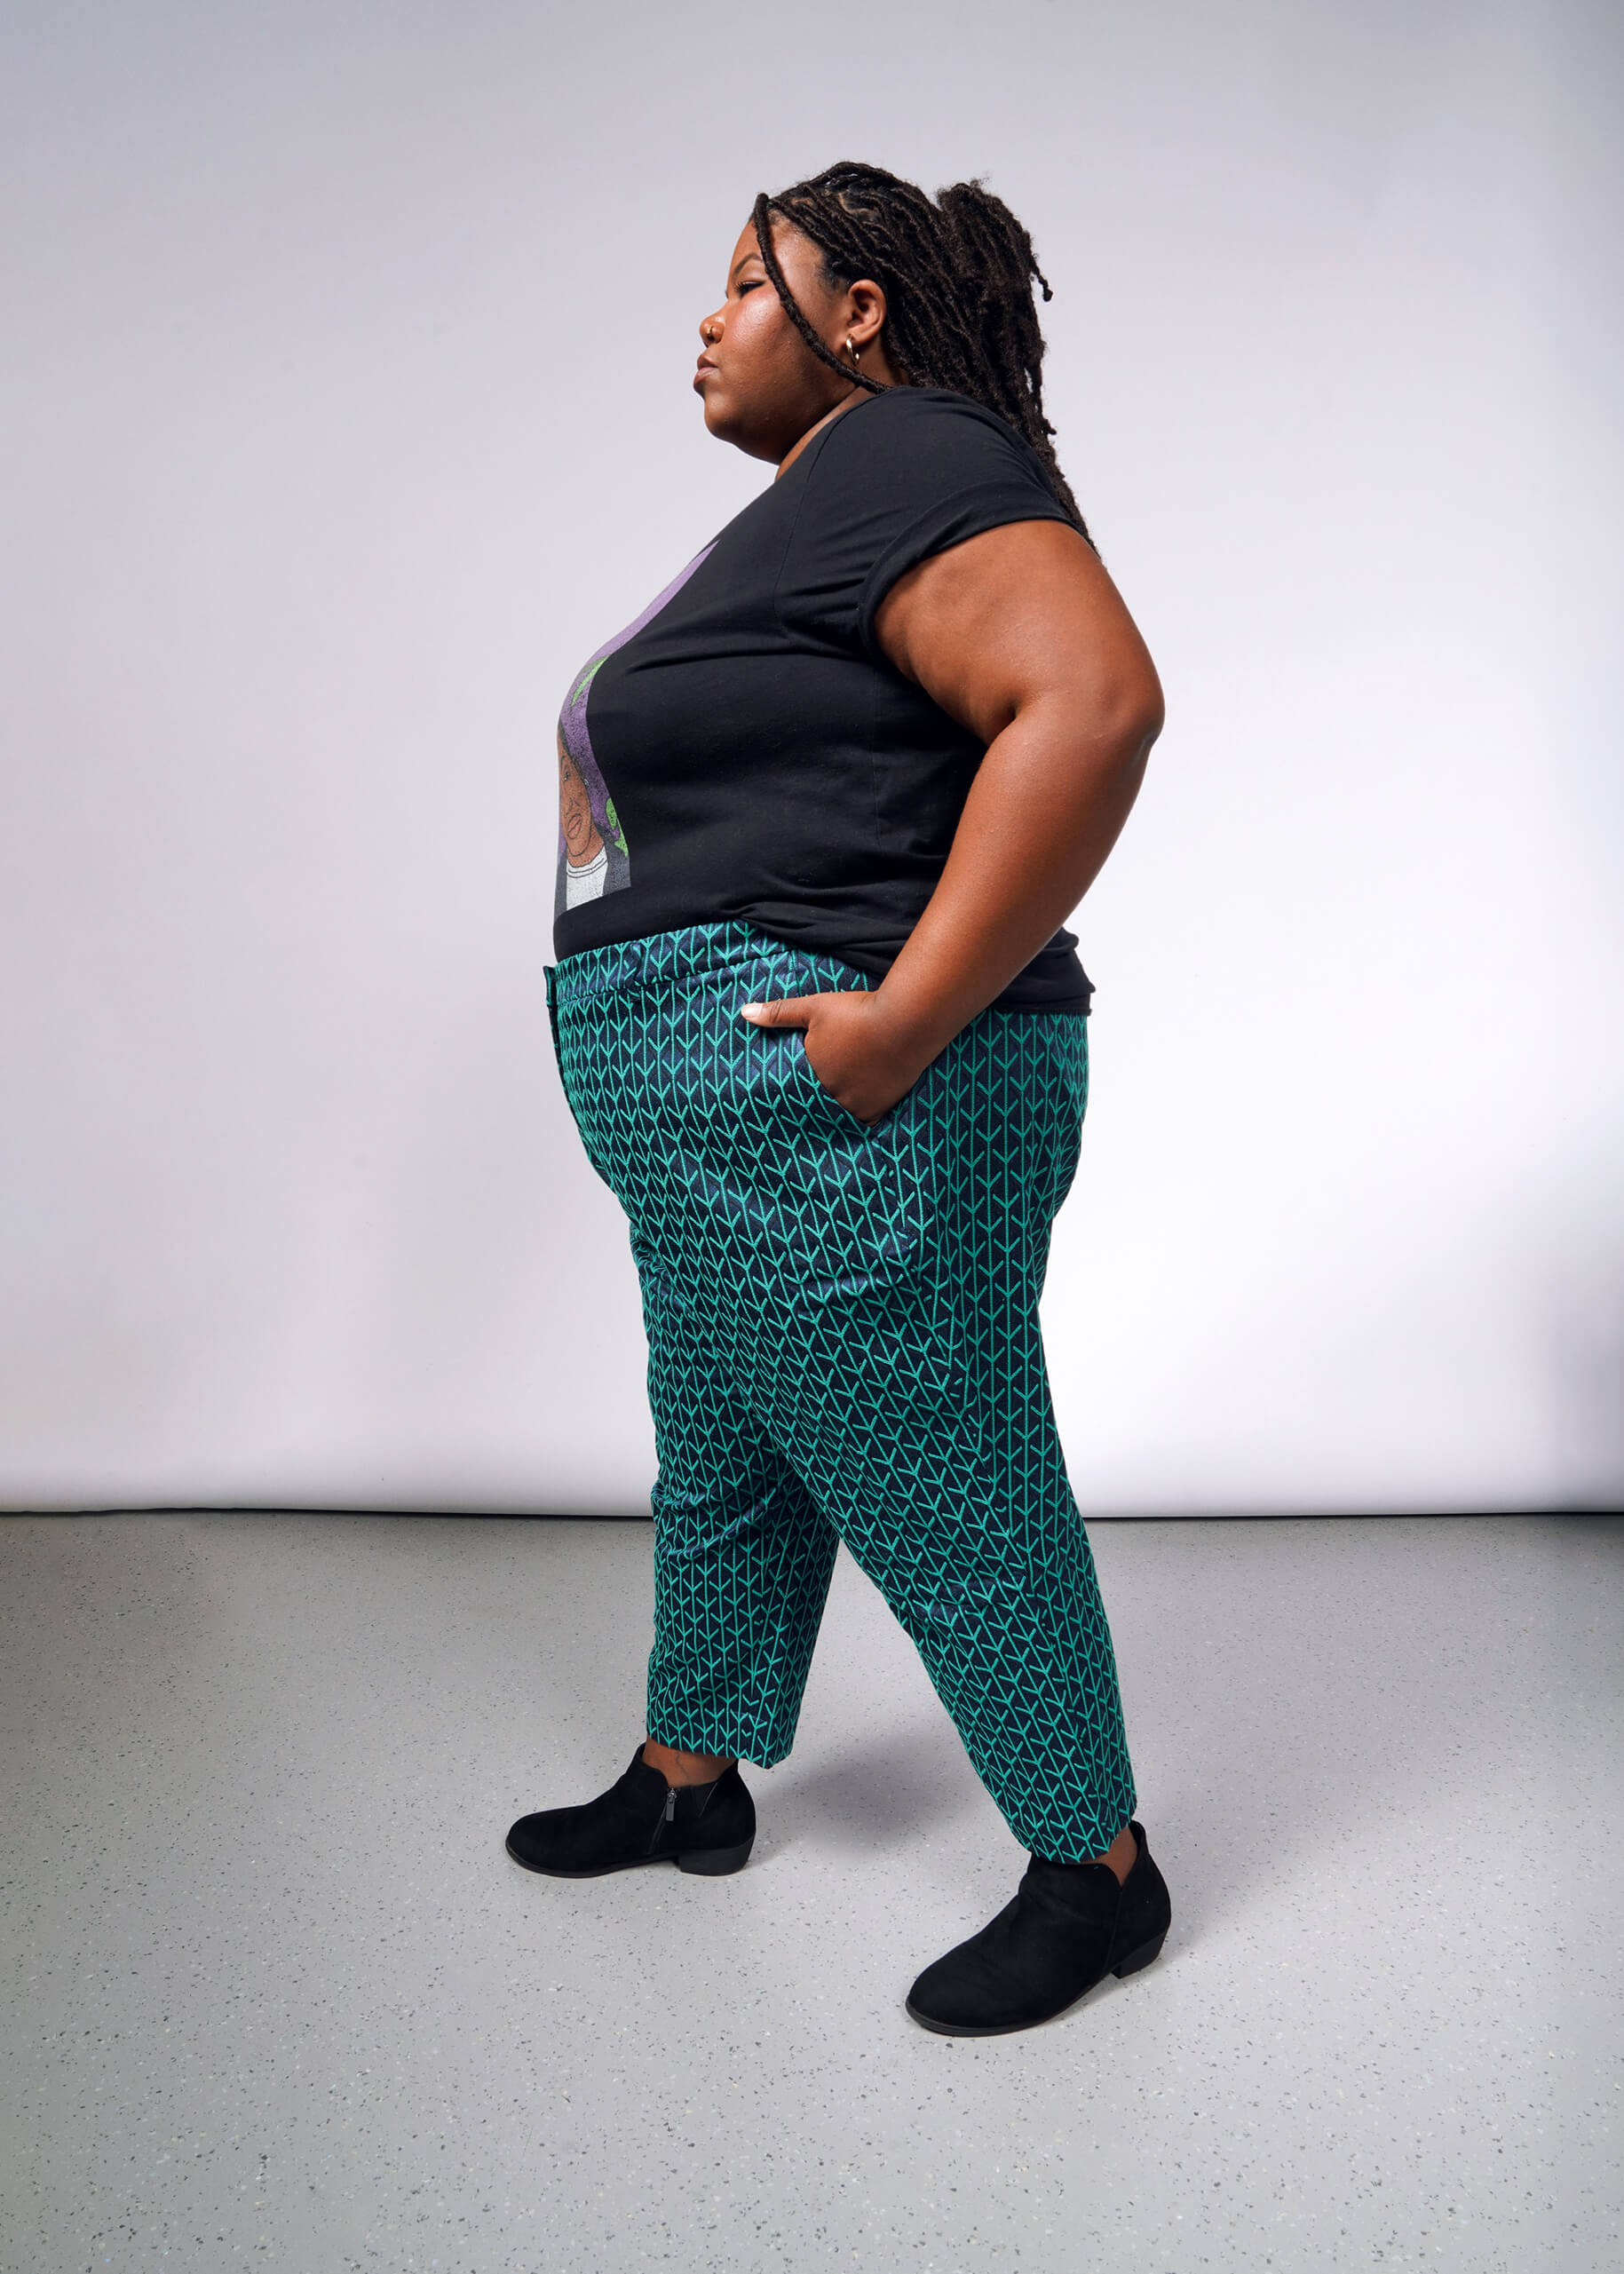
x=593, y=855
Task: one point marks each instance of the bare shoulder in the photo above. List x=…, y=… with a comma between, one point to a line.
x=987, y=623
x=1020, y=561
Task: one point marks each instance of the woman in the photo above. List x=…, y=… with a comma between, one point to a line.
x=828, y=1044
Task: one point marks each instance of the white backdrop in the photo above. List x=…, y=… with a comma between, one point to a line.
x=346, y=407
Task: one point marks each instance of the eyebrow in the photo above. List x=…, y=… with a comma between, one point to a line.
x=743, y=262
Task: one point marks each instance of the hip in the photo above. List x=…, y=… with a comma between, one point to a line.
x=667, y=1082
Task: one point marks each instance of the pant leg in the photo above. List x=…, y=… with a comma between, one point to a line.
x=682, y=1118
x=742, y=1557
x=945, y=1472
x=920, y=1415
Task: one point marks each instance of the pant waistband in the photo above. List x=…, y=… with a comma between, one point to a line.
x=671, y=958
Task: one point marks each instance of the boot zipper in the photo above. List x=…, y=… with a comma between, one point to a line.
x=670, y=1817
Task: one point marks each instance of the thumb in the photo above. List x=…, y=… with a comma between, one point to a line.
x=791, y=1010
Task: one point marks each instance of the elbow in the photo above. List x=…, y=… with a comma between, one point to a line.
x=1133, y=720
x=1103, y=731
x=1147, y=708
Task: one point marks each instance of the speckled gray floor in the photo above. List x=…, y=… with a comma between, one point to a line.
x=275, y=1996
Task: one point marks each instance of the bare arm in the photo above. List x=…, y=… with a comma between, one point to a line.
x=1020, y=636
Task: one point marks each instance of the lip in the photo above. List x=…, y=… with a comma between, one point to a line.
x=701, y=366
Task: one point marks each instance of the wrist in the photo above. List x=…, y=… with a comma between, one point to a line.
x=916, y=1027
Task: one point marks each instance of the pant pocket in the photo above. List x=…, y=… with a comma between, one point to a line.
x=848, y=1200
x=824, y=1095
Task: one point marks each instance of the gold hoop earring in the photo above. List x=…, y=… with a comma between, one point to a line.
x=850, y=350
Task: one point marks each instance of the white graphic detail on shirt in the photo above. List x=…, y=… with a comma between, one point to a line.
x=586, y=882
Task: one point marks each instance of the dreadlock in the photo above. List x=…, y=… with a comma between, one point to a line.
x=957, y=278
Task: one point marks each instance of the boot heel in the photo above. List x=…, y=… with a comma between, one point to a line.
x=1136, y=1961
x=716, y=1863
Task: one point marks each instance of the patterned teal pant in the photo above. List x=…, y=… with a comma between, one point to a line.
x=844, y=1344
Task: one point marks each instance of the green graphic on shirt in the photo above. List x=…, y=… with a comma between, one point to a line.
x=578, y=690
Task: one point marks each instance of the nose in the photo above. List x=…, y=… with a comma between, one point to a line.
x=709, y=330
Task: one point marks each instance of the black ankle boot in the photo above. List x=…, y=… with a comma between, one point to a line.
x=1068, y=1926
x=641, y=1819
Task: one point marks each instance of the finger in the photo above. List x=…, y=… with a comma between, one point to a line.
x=791, y=1010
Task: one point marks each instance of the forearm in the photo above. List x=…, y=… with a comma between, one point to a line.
x=1008, y=884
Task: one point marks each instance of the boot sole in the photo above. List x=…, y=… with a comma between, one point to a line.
x=1134, y=1963
x=708, y=1863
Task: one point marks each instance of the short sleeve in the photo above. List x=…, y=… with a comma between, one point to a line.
x=914, y=473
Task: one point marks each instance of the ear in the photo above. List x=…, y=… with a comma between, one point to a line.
x=865, y=316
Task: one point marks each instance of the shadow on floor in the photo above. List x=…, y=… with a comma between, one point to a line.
x=874, y=1796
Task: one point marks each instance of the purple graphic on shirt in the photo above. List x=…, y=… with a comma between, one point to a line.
x=593, y=855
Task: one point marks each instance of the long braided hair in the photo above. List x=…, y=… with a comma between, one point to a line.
x=957, y=278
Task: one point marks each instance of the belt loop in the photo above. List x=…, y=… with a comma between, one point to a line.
x=550, y=972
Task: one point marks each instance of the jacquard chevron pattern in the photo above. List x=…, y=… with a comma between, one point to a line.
x=843, y=1344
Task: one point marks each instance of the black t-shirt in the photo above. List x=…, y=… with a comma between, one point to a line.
x=745, y=751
